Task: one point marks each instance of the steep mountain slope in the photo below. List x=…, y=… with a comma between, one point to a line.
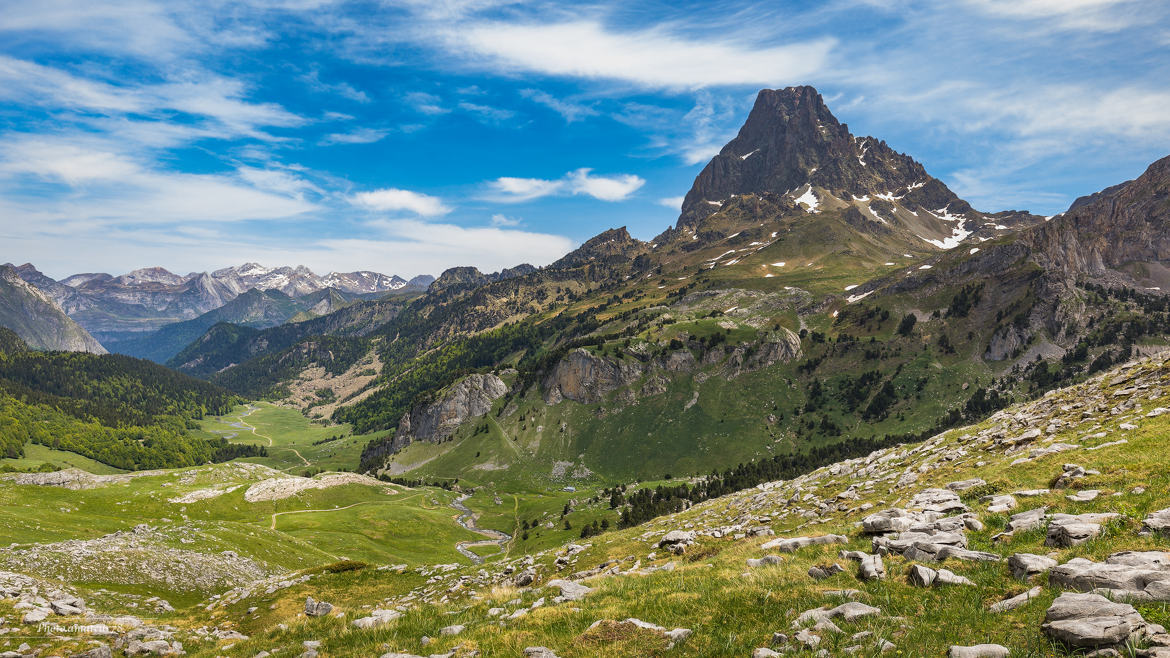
x=37, y=319
x=252, y=308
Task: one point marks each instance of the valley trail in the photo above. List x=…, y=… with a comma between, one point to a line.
x=243, y=424
x=467, y=520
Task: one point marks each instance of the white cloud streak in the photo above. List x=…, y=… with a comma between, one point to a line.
x=651, y=57
x=579, y=182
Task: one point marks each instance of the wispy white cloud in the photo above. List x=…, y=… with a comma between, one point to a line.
x=108, y=187
x=1088, y=15
x=503, y=220
x=672, y=202
x=569, y=110
x=394, y=199
x=579, y=182
x=653, y=57
x=425, y=103
x=338, y=88
x=356, y=136
x=694, y=135
x=487, y=112
x=215, y=98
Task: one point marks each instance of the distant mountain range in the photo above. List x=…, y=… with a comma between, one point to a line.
x=145, y=300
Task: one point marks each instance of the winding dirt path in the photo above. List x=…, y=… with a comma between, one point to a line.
x=246, y=425
x=306, y=511
x=467, y=520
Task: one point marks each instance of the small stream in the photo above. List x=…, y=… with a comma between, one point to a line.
x=467, y=520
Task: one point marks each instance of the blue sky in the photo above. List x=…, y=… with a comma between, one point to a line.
x=408, y=137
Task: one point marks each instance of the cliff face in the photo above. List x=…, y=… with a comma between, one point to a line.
x=584, y=377
x=470, y=397
x=1120, y=230
x=38, y=320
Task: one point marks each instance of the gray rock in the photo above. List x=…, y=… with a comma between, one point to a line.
x=821, y=572
x=149, y=647
x=847, y=611
x=1026, y=565
x=927, y=577
x=35, y=616
x=891, y=520
x=791, y=545
x=1001, y=504
x=524, y=578
x=937, y=500
x=963, y=485
x=539, y=652
x=870, y=567
x=1158, y=521
x=315, y=608
x=808, y=638
x=764, y=652
x=102, y=651
x=570, y=591
x=1135, y=575
x=1091, y=621
x=1084, y=496
x=453, y=629
x=767, y=560
x=979, y=651
x=378, y=617
x=1071, y=533
x=1033, y=519
x=1016, y=601
x=675, y=537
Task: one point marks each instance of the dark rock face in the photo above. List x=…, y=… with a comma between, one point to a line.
x=584, y=377
x=470, y=397
x=1122, y=228
x=791, y=139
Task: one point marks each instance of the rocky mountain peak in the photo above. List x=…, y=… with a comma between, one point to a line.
x=791, y=143
x=151, y=275
x=614, y=245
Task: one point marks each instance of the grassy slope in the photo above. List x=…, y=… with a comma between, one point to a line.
x=733, y=609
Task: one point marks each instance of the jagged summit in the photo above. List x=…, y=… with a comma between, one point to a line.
x=615, y=243
x=793, y=152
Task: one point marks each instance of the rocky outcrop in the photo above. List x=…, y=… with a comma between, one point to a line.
x=435, y=420
x=1123, y=232
x=587, y=378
